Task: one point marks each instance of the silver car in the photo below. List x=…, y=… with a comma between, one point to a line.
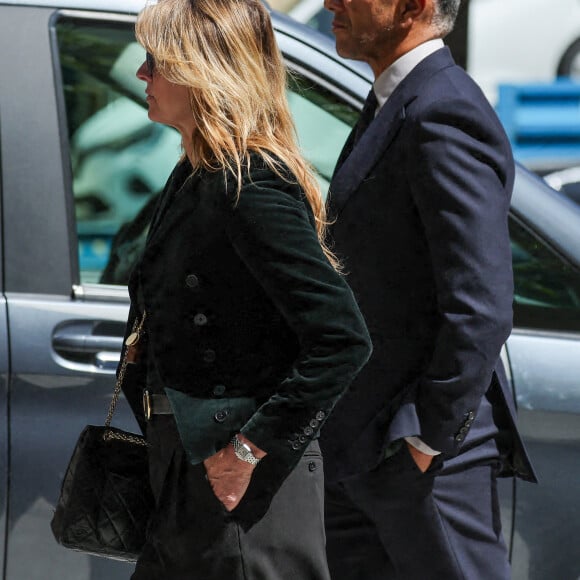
x=80, y=165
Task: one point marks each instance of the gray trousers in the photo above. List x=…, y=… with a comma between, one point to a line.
x=192, y=536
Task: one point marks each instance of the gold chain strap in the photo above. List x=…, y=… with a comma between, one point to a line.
x=109, y=434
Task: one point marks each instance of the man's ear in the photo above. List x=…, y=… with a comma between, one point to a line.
x=412, y=10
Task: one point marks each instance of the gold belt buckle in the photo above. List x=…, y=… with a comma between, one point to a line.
x=147, y=409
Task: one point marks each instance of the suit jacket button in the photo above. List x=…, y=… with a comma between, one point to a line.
x=219, y=390
x=209, y=355
x=192, y=281
x=220, y=416
x=311, y=466
x=200, y=319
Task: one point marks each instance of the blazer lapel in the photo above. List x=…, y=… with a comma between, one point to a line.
x=181, y=183
x=355, y=162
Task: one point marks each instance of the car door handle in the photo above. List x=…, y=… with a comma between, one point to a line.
x=93, y=342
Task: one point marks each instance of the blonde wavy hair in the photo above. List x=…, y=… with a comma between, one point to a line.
x=225, y=52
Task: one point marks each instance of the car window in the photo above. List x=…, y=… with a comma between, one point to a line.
x=120, y=160
x=323, y=122
x=547, y=288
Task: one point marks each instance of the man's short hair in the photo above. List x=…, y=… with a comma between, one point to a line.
x=445, y=15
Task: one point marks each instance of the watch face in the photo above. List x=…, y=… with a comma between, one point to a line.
x=244, y=452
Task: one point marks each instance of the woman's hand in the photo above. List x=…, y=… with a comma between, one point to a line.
x=229, y=476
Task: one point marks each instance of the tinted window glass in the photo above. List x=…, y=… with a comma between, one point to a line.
x=547, y=289
x=323, y=123
x=120, y=160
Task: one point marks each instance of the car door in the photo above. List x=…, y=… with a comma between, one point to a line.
x=544, y=356
x=63, y=336
x=4, y=380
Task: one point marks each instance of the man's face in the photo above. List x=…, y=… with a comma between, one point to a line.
x=364, y=29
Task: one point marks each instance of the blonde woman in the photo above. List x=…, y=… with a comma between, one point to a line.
x=247, y=335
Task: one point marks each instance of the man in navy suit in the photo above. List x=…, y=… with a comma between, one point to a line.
x=420, y=197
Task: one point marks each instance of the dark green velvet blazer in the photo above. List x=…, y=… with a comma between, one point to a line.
x=250, y=328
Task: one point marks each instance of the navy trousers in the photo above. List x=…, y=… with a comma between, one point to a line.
x=397, y=523
x=193, y=537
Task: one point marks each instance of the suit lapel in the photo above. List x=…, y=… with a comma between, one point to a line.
x=361, y=159
x=355, y=162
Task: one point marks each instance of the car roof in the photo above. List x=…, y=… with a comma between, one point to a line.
x=128, y=6
x=282, y=22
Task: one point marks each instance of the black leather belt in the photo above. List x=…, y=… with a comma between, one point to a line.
x=155, y=405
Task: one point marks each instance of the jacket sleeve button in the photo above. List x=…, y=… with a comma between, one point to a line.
x=200, y=319
x=320, y=415
x=219, y=390
x=192, y=281
x=220, y=416
x=209, y=355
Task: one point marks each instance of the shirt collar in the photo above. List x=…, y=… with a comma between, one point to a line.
x=389, y=79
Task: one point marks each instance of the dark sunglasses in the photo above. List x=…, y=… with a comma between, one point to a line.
x=150, y=62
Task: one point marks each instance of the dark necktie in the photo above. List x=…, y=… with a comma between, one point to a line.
x=367, y=115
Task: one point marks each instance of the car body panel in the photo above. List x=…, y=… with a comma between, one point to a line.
x=546, y=368
x=4, y=424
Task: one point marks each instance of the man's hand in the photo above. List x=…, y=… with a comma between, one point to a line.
x=422, y=460
x=229, y=476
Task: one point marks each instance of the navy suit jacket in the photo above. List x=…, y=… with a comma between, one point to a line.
x=421, y=206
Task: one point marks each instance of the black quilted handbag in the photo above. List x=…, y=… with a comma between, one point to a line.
x=105, y=500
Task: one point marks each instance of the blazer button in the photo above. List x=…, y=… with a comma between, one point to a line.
x=209, y=355
x=220, y=416
x=219, y=390
x=192, y=281
x=200, y=319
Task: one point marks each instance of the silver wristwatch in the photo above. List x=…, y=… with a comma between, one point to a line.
x=243, y=451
